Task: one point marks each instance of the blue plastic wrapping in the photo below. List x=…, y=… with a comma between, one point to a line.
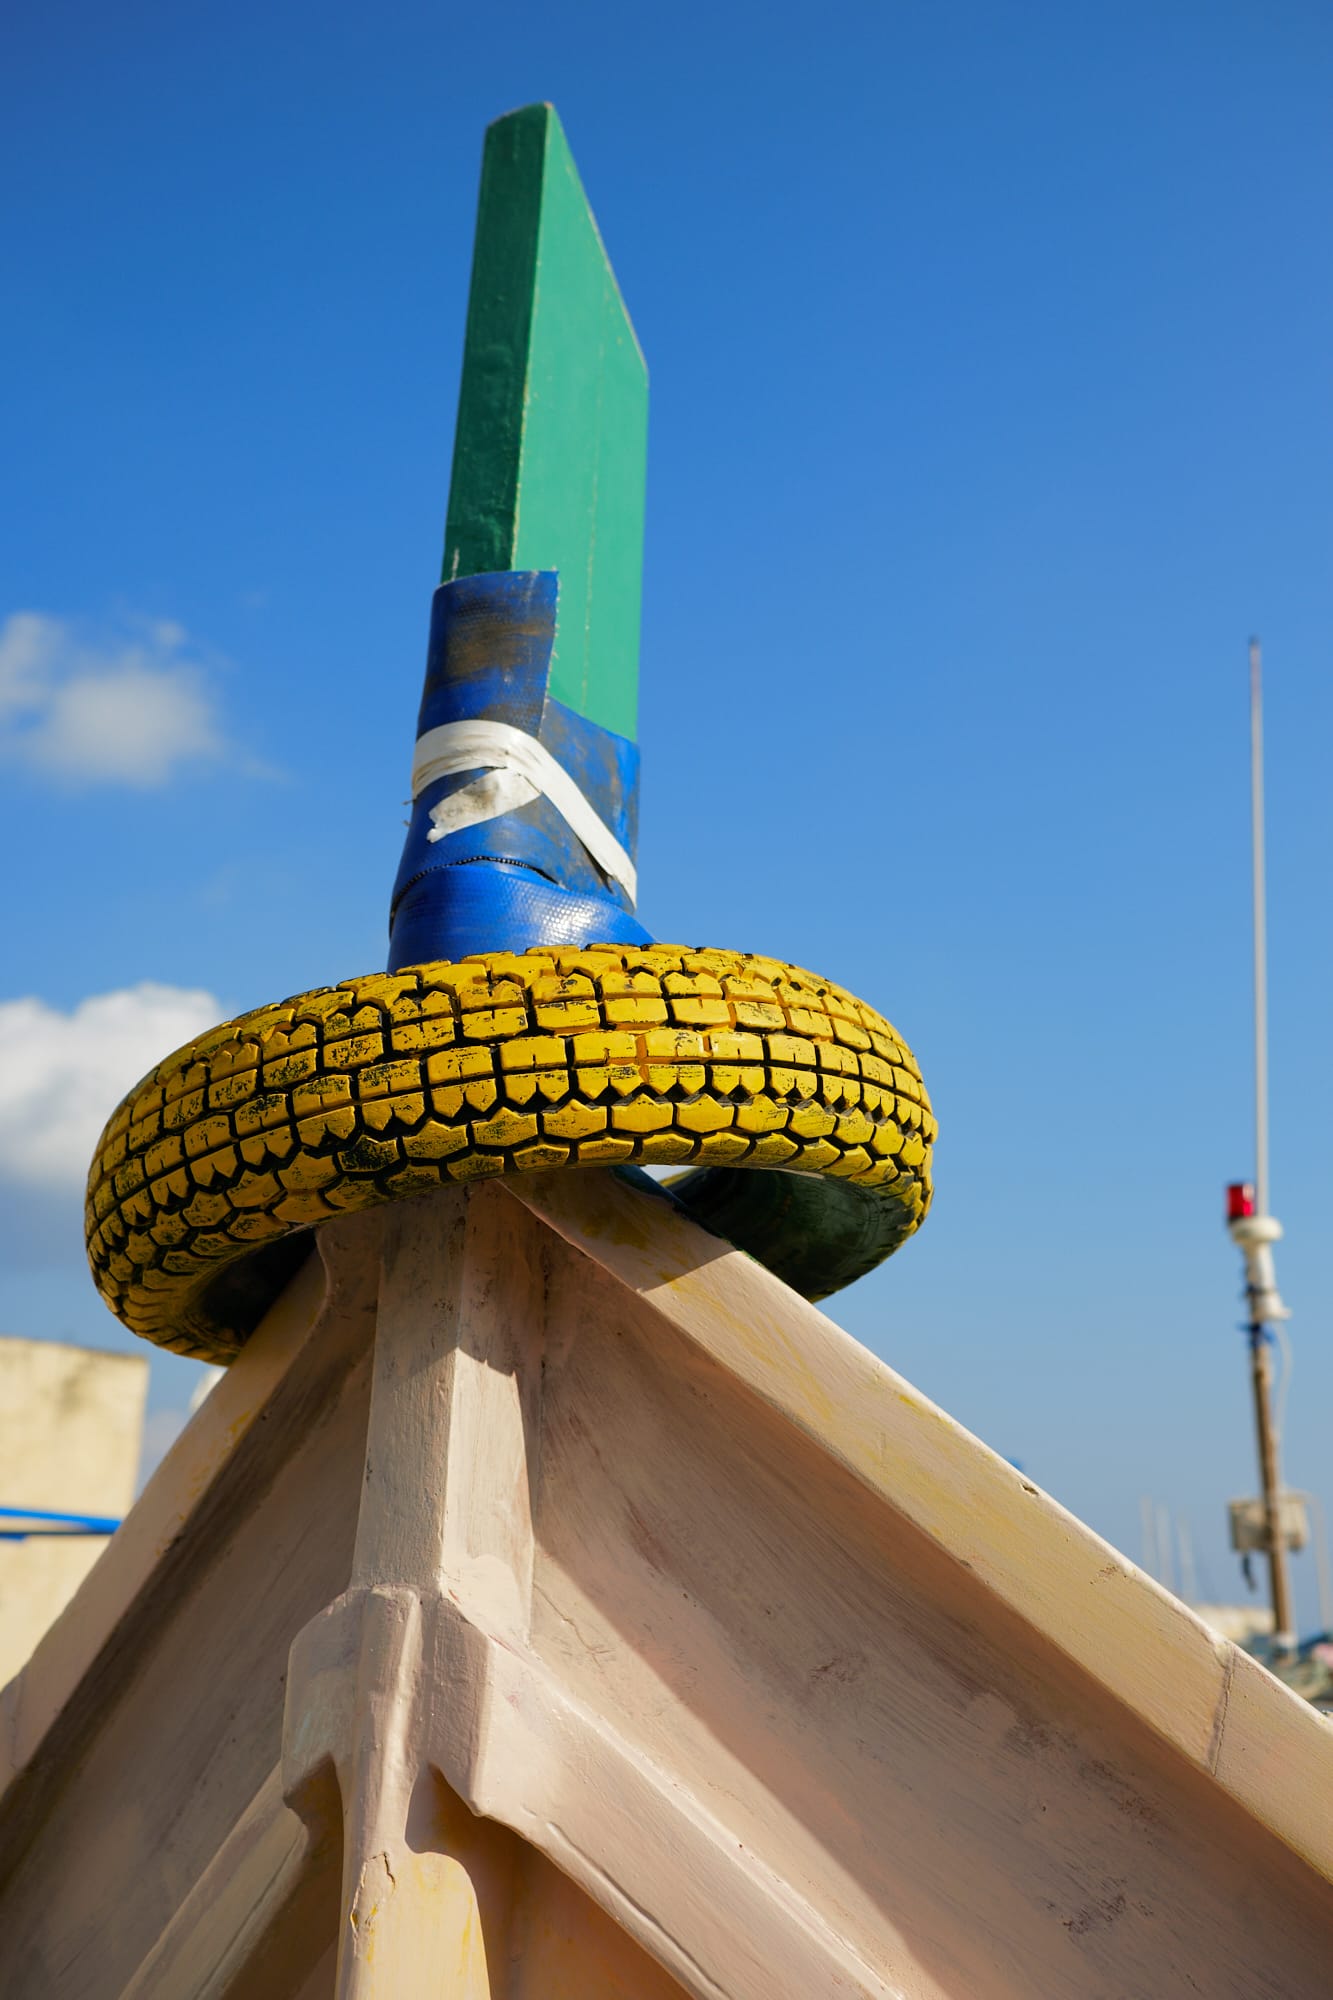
x=523, y=878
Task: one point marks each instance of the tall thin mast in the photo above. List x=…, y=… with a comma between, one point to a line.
x=1260, y=930
x=1252, y=1227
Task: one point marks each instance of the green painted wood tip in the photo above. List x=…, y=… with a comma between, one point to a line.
x=550, y=453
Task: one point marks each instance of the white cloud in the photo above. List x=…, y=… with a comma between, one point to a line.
x=125, y=709
x=62, y=1075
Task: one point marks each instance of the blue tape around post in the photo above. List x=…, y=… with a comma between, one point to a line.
x=522, y=877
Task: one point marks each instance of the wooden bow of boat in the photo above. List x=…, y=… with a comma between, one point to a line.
x=548, y=1601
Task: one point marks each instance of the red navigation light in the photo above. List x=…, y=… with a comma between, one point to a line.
x=1240, y=1201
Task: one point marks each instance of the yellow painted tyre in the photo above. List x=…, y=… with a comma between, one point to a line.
x=383, y=1087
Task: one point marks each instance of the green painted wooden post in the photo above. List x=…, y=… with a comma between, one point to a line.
x=550, y=451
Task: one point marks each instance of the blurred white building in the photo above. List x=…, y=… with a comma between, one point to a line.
x=71, y=1429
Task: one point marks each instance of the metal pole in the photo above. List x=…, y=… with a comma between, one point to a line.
x=1261, y=1350
x=1261, y=1375
x=1148, y=1519
x=1189, y=1582
x=1260, y=931
x=1165, y=1564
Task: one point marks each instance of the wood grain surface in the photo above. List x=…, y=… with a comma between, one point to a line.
x=550, y=1603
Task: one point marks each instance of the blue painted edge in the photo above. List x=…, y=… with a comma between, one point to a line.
x=44, y=1522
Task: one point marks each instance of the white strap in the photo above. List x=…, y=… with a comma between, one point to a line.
x=516, y=768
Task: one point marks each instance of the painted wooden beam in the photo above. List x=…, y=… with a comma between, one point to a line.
x=640, y=1634
x=550, y=449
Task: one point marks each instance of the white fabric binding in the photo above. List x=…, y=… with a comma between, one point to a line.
x=515, y=768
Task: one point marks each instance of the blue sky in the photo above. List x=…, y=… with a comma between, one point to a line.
x=989, y=349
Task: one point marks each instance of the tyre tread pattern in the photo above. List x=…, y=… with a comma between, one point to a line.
x=392, y=1084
